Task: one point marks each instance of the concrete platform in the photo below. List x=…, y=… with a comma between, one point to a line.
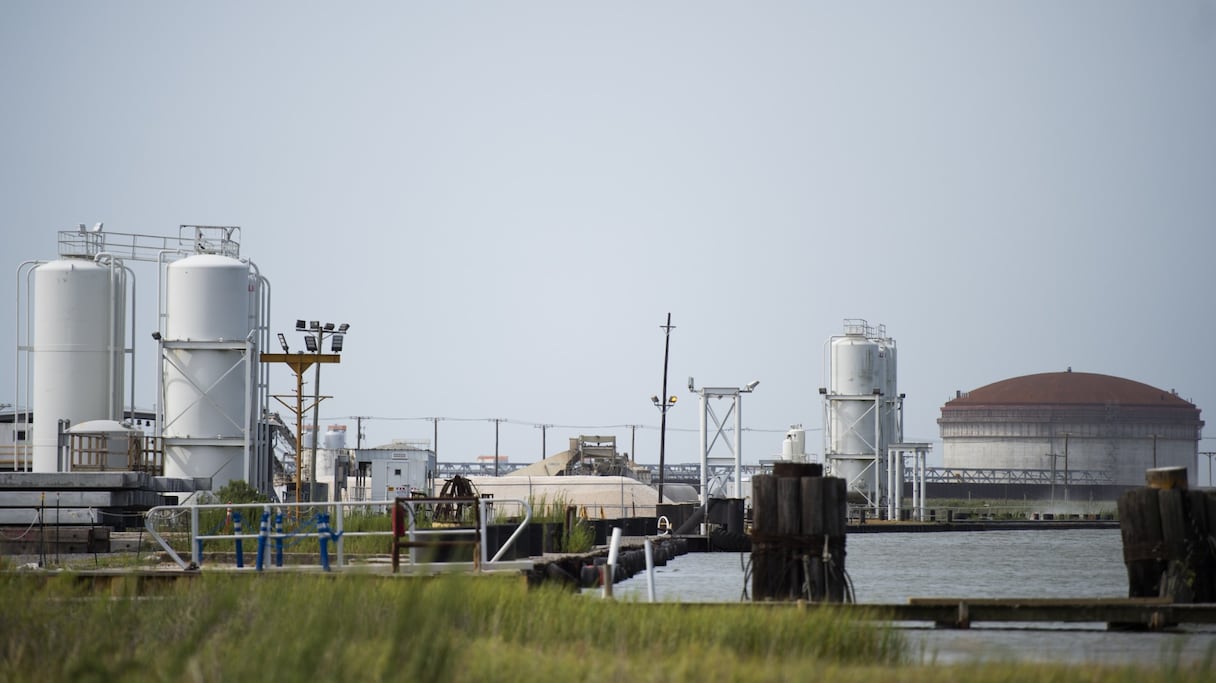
x=86, y=498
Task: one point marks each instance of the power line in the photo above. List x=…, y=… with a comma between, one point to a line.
x=550, y=424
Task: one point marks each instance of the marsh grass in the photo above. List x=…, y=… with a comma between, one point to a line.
x=579, y=538
x=343, y=627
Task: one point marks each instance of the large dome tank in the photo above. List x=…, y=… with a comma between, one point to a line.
x=78, y=347
x=209, y=298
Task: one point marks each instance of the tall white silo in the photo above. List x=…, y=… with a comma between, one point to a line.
x=861, y=405
x=209, y=353
x=79, y=311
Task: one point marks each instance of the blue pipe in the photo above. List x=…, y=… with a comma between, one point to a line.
x=240, y=546
x=323, y=535
x=263, y=533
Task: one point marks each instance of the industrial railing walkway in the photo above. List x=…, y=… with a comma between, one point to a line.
x=323, y=522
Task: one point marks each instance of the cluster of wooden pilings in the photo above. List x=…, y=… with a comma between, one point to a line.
x=798, y=534
x=1169, y=538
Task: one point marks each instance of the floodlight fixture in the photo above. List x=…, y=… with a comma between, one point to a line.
x=343, y=328
x=314, y=325
x=283, y=343
x=753, y=384
x=300, y=325
x=329, y=327
x=671, y=400
x=655, y=400
x=337, y=342
x=311, y=343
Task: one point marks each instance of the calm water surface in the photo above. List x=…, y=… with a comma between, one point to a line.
x=892, y=567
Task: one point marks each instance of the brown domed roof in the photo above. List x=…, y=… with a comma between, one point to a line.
x=1069, y=388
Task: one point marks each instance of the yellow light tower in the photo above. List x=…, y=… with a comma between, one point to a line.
x=299, y=362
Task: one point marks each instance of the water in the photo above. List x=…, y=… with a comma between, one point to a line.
x=893, y=567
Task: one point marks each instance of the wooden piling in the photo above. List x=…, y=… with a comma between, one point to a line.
x=1165, y=529
x=798, y=527
x=1166, y=478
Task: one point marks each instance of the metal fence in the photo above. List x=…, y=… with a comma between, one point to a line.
x=273, y=528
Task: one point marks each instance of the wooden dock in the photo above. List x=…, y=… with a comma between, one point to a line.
x=945, y=613
x=962, y=613
x=1145, y=613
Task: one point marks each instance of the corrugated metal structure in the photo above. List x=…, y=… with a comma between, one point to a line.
x=1070, y=422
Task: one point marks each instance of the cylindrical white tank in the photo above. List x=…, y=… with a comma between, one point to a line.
x=79, y=313
x=103, y=445
x=793, y=449
x=856, y=368
x=307, y=438
x=207, y=299
x=862, y=410
x=335, y=437
x=891, y=432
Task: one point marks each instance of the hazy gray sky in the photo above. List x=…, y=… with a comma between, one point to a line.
x=505, y=199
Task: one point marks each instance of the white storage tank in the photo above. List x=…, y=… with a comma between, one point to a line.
x=104, y=446
x=793, y=449
x=856, y=371
x=335, y=437
x=862, y=408
x=78, y=346
x=209, y=389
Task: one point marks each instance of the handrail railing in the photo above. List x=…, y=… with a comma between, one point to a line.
x=451, y=535
x=270, y=532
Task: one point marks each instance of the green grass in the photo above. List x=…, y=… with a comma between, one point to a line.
x=293, y=627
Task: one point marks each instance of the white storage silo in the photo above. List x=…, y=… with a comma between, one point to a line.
x=78, y=349
x=208, y=383
x=861, y=408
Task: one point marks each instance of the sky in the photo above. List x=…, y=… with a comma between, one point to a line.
x=505, y=200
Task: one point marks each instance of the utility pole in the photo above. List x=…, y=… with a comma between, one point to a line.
x=1066, y=467
x=496, y=422
x=1209, y=454
x=543, y=447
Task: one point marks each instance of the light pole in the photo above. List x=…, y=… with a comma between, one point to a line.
x=315, y=344
x=299, y=362
x=663, y=406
